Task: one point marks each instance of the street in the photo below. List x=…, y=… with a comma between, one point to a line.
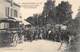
x=35, y=46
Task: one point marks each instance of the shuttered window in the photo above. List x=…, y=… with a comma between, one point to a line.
x=7, y=11
x=15, y=13
x=4, y=25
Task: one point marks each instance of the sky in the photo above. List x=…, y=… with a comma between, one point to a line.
x=30, y=7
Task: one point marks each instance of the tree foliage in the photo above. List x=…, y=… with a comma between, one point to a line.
x=36, y=20
x=63, y=12
x=33, y=20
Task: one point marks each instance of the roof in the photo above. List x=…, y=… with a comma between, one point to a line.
x=8, y=20
x=13, y=3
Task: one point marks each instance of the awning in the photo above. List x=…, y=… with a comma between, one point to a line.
x=8, y=20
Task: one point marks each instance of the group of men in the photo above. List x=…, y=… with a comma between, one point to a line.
x=58, y=36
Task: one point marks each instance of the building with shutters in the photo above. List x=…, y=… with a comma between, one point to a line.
x=9, y=14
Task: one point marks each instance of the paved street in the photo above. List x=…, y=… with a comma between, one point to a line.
x=35, y=46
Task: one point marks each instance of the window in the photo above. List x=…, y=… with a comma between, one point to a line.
x=4, y=25
x=11, y=25
x=1, y=25
x=15, y=13
x=11, y=12
x=7, y=11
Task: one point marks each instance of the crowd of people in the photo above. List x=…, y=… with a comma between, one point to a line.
x=58, y=36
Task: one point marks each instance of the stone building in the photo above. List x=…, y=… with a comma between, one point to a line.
x=9, y=14
x=9, y=22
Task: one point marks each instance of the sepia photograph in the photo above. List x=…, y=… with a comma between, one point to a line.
x=40, y=25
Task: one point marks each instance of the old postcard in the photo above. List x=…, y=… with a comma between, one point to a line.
x=40, y=25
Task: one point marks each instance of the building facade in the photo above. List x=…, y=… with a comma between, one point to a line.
x=9, y=14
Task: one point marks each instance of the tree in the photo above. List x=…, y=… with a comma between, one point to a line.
x=36, y=20
x=49, y=11
x=33, y=20
x=78, y=19
x=63, y=12
x=73, y=25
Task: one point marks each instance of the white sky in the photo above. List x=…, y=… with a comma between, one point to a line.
x=30, y=11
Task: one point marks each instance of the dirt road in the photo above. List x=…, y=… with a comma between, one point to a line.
x=35, y=46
